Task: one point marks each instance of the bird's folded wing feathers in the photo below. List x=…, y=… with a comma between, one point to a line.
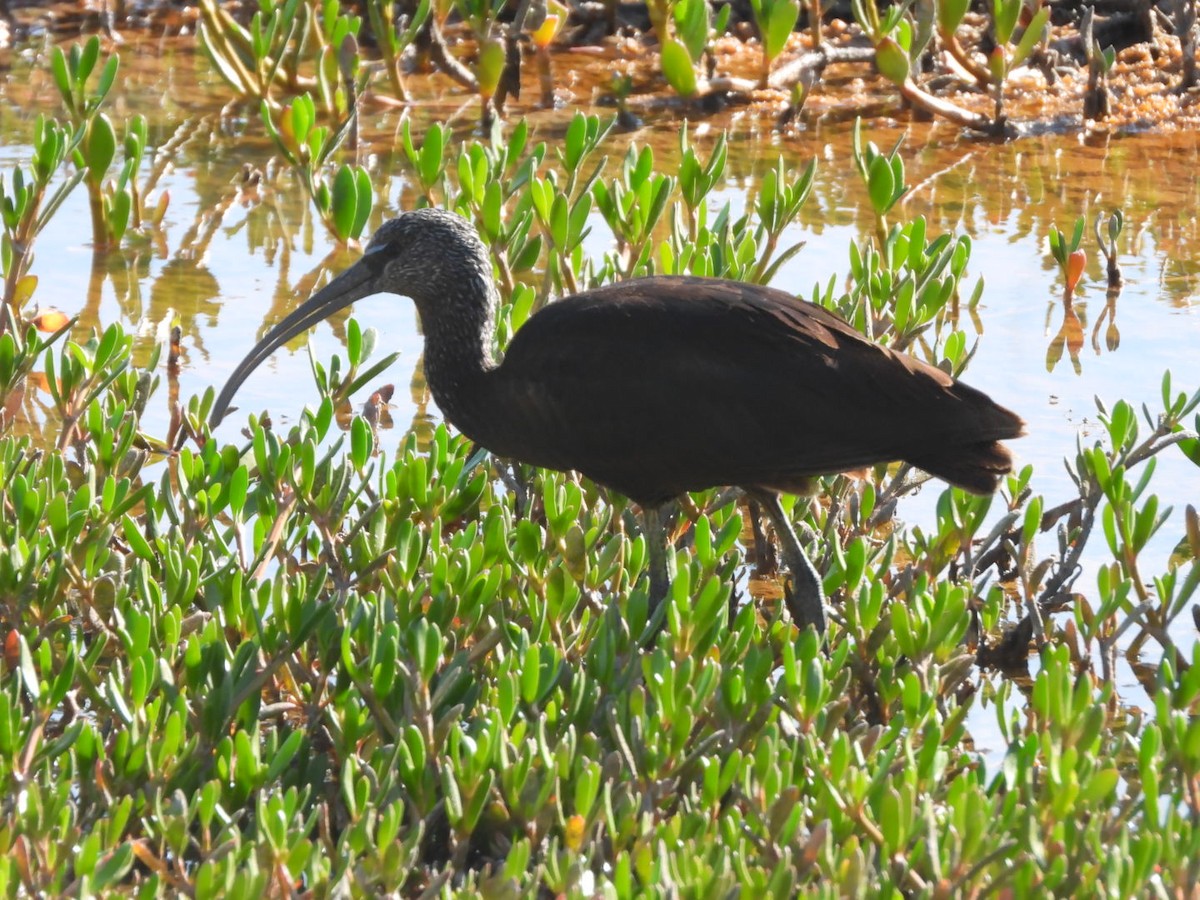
x=703, y=369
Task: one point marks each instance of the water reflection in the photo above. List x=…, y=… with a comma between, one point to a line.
x=1112, y=336
x=1074, y=324
x=1070, y=335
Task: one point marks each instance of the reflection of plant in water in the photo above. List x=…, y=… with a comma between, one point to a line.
x=1070, y=336
x=1014, y=184
x=1112, y=337
x=182, y=291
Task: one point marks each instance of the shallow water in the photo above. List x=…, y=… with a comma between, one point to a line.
x=233, y=261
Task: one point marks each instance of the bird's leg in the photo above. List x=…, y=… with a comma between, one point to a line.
x=807, y=602
x=764, y=552
x=656, y=544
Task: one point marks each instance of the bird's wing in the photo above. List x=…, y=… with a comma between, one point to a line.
x=690, y=383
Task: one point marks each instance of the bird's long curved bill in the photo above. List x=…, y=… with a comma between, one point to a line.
x=354, y=283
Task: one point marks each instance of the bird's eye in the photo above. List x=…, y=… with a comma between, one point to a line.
x=376, y=253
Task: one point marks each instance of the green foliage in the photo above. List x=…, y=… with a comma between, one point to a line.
x=296, y=47
x=72, y=71
x=25, y=209
x=633, y=206
x=360, y=346
x=743, y=248
x=254, y=60
x=492, y=184
x=892, y=60
x=883, y=175
x=775, y=20
x=902, y=33
x=394, y=37
x=95, y=144
x=428, y=161
x=298, y=630
x=1102, y=58
x=479, y=14
x=1034, y=32
x=289, y=634
x=489, y=67
x=1061, y=247
x=299, y=660
x=116, y=204
x=1116, y=223
x=950, y=14
x=678, y=68
x=339, y=63
x=312, y=47
x=343, y=200
x=899, y=290
x=1067, y=254
x=691, y=25
x=91, y=143
x=682, y=50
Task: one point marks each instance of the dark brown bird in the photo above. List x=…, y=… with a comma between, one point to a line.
x=661, y=385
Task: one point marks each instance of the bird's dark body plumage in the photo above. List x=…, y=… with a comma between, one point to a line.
x=661, y=385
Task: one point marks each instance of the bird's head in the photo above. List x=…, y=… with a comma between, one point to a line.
x=422, y=248
x=431, y=255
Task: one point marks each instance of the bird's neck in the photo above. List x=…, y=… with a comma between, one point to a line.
x=458, y=347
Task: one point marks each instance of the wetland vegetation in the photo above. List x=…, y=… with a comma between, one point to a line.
x=335, y=649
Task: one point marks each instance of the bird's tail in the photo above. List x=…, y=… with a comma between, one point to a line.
x=977, y=468
x=978, y=462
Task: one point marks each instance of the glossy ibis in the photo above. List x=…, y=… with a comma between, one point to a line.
x=662, y=385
